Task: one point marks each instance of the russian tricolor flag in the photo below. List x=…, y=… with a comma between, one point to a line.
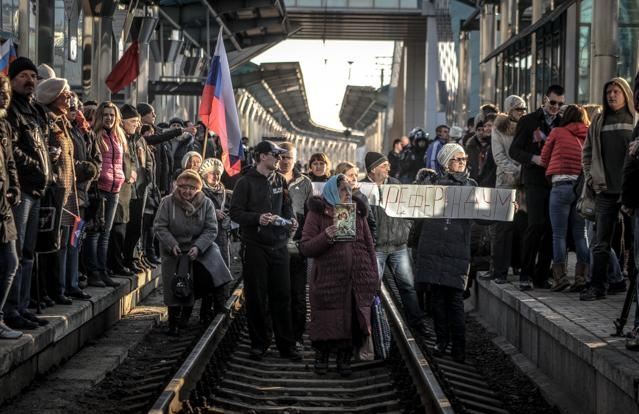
x=7, y=55
x=218, y=110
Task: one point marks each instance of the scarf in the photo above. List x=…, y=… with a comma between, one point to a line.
x=331, y=191
x=189, y=207
x=81, y=122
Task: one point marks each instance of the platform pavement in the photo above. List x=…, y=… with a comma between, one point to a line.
x=570, y=341
x=69, y=328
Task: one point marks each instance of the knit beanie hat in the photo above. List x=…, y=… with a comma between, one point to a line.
x=20, y=64
x=129, y=111
x=45, y=72
x=188, y=156
x=374, y=159
x=144, y=108
x=512, y=102
x=212, y=165
x=48, y=90
x=189, y=177
x=447, y=152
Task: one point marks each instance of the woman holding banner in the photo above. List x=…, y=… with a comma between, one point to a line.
x=444, y=265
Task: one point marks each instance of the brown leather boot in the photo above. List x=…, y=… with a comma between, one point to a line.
x=560, y=277
x=581, y=270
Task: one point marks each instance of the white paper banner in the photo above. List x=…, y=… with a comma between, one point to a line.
x=438, y=201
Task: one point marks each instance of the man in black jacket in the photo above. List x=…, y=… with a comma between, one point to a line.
x=530, y=136
x=260, y=205
x=30, y=151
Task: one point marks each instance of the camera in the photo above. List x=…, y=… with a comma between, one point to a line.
x=281, y=222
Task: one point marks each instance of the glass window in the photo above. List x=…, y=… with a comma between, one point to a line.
x=336, y=3
x=408, y=4
x=391, y=4
x=309, y=3
x=59, y=26
x=360, y=3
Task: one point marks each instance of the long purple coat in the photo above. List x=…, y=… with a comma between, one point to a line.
x=341, y=271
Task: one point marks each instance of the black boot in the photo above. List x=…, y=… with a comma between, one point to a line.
x=206, y=313
x=95, y=279
x=321, y=361
x=186, y=315
x=344, y=362
x=104, y=276
x=174, y=312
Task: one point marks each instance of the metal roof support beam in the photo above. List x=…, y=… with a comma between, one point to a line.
x=219, y=21
x=187, y=35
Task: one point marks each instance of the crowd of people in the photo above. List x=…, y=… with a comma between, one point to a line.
x=95, y=190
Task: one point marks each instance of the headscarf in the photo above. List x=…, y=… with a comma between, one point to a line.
x=190, y=155
x=331, y=190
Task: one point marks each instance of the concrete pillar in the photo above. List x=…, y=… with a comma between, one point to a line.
x=433, y=115
x=27, y=30
x=46, y=8
x=536, y=96
x=465, y=75
x=415, y=84
x=571, y=53
x=603, y=59
x=504, y=21
x=487, y=71
x=97, y=46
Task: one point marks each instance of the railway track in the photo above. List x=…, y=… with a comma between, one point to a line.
x=218, y=376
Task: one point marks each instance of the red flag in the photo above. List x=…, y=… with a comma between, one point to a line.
x=126, y=70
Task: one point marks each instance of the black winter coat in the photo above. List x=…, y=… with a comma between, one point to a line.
x=254, y=195
x=88, y=160
x=525, y=145
x=8, y=185
x=443, y=253
x=30, y=149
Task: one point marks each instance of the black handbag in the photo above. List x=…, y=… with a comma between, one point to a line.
x=49, y=220
x=182, y=282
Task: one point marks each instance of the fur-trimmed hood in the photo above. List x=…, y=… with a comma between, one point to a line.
x=505, y=125
x=319, y=205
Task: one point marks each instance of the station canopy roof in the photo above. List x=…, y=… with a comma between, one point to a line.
x=250, y=26
x=278, y=87
x=361, y=105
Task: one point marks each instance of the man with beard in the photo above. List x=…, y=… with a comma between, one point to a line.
x=261, y=205
x=31, y=155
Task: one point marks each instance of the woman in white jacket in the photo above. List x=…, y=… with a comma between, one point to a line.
x=508, y=171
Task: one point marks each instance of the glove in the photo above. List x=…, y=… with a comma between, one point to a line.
x=13, y=196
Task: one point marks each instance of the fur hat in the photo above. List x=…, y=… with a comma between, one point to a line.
x=20, y=64
x=447, y=152
x=189, y=177
x=212, y=165
x=374, y=159
x=45, y=72
x=48, y=90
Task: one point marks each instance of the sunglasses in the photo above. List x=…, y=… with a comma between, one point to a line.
x=556, y=103
x=521, y=109
x=460, y=159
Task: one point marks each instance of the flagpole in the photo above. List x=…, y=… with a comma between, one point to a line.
x=206, y=138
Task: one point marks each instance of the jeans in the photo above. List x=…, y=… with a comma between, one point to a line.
x=399, y=264
x=563, y=213
x=97, y=243
x=26, y=216
x=614, y=270
x=67, y=264
x=537, y=240
x=606, y=212
x=8, y=268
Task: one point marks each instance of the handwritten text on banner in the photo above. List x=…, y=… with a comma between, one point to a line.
x=436, y=201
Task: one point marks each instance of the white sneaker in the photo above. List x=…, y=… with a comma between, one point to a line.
x=8, y=333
